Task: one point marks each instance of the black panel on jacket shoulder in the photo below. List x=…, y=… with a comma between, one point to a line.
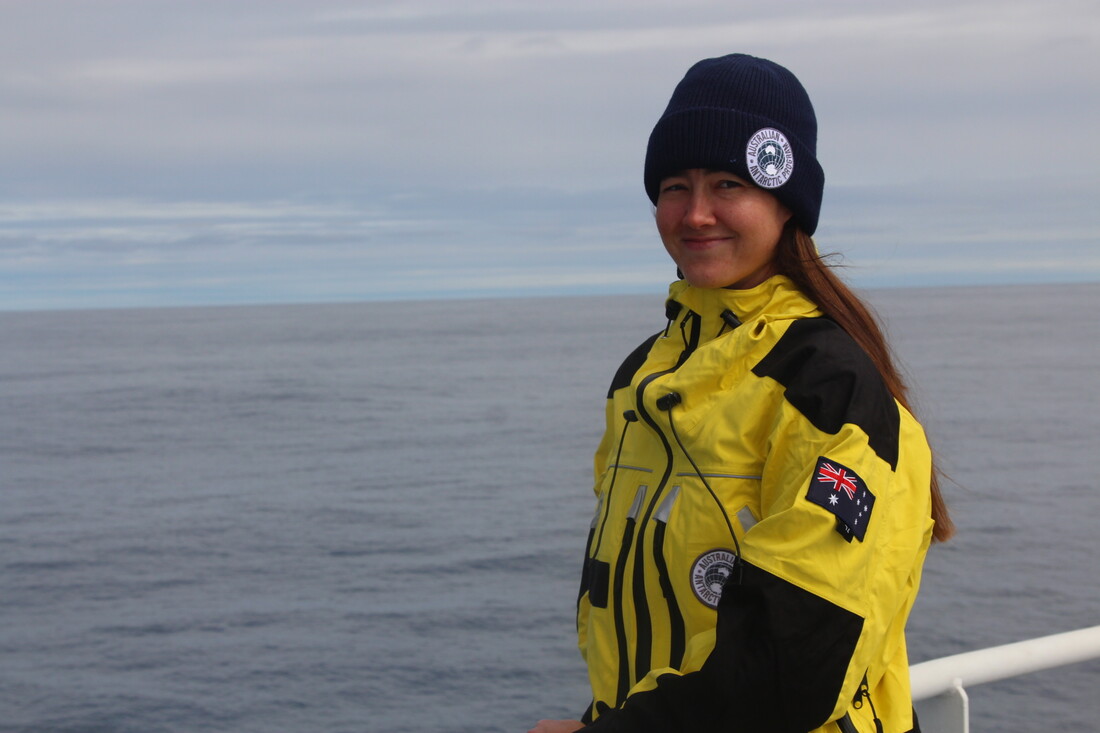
x=833, y=382
x=631, y=365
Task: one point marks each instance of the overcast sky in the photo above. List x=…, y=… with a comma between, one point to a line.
x=218, y=151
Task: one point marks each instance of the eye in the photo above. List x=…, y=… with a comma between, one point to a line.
x=729, y=183
x=670, y=186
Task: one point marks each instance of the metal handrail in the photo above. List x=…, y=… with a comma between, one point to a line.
x=938, y=676
x=938, y=685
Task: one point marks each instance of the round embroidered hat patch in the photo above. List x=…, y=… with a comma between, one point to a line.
x=770, y=158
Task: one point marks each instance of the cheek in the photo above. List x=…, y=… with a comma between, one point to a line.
x=665, y=220
x=765, y=224
x=778, y=215
x=771, y=230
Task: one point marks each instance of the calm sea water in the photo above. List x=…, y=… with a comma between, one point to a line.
x=370, y=517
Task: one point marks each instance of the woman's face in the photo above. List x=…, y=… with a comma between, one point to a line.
x=721, y=230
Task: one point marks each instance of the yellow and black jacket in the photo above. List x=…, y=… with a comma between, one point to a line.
x=762, y=516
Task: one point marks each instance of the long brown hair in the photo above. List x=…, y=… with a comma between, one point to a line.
x=797, y=258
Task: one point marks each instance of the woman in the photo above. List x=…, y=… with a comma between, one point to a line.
x=765, y=497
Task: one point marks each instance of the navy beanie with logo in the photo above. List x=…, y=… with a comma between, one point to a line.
x=748, y=116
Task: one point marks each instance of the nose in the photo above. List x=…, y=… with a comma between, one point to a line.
x=700, y=211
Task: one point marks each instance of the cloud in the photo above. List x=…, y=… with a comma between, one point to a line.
x=371, y=136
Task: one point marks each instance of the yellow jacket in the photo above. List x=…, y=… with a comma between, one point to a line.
x=762, y=516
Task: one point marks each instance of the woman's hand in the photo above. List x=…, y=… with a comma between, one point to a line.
x=557, y=726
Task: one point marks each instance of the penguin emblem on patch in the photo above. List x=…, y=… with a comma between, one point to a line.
x=709, y=574
x=769, y=157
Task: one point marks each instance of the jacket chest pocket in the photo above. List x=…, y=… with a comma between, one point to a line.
x=705, y=529
x=612, y=539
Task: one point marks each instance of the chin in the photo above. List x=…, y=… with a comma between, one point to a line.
x=704, y=284
x=707, y=282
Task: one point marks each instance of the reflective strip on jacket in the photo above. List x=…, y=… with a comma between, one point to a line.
x=752, y=422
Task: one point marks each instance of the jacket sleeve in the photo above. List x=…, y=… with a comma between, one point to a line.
x=778, y=654
x=816, y=603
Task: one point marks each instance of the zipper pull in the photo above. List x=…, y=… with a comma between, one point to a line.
x=864, y=692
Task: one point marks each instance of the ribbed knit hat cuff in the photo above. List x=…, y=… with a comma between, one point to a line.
x=716, y=139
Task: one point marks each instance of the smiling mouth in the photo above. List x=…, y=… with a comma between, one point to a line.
x=701, y=243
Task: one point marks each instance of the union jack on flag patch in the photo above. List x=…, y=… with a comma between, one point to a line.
x=841, y=491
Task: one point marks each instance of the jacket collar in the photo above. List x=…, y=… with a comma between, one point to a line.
x=776, y=298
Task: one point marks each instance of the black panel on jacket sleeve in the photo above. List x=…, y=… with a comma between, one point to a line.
x=832, y=381
x=778, y=666
x=631, y=365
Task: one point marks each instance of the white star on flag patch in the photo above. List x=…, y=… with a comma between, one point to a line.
x=842, y=492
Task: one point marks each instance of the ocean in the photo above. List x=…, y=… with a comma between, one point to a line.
x=370, y=517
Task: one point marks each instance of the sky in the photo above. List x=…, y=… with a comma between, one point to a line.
x=171, y=152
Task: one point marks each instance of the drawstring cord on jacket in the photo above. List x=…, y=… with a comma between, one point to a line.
x=729, y=320
x=666, y=404
x=672, y=312
x=631, y=417
x=683, y=332
x=672, y=309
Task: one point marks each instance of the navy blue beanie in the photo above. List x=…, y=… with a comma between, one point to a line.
x=748, y=116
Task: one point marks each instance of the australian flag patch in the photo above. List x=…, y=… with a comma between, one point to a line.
x=840, y=490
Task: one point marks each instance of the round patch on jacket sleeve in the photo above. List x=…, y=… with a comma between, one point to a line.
x=842, y=492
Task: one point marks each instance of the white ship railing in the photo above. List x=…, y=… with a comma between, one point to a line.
x=939, y=692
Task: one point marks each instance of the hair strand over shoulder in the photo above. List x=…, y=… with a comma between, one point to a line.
x=798, y=259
